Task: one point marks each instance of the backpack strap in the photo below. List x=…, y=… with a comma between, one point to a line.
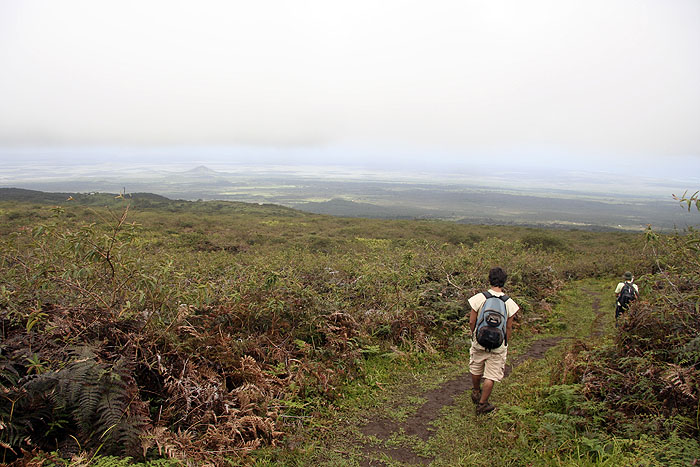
x=504, y=298
x=479, y=314
x=481, y=308
x=488, y=295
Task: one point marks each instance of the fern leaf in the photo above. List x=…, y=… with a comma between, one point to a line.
x=677, y=377
x=87, y=406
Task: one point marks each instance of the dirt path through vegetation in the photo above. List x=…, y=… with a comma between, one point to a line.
x=598, y=324
x=419, y=424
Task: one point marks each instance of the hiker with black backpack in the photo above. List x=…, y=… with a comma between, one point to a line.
x=626, y=292
x=491, y=323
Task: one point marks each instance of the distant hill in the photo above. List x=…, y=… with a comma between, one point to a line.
x=21, y=194
x=148, y=201
x=201, y=170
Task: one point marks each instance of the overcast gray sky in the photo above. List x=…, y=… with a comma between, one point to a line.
x=536, y=78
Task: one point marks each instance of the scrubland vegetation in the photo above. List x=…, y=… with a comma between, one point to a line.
x=146, y=328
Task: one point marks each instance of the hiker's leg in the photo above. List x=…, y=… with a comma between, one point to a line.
x=493, y=371
x=476, y=381
x=486, y=390
x=477, y=362
x=619, y=312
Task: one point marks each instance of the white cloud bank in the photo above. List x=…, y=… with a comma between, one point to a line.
x=588, y=77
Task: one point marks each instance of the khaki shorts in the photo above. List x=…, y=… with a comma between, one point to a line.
x=488, y=364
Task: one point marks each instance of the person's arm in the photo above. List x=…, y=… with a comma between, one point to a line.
x=509, y=328
x=472, y=320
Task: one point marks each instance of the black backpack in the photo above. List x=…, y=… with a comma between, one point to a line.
x=628, y=294
x=491, y=322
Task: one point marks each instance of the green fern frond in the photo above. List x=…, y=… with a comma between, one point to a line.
x=130, y=431
x=97, y=399
x=8, y=373
x=111, y=411
x=12, y=434
x=87, y=404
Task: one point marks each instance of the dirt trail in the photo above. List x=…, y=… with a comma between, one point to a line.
x=418, y=425
x=598, y=321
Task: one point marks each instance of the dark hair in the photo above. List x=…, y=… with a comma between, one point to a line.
x=497, y=277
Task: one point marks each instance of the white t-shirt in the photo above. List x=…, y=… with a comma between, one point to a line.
x=619, y=287
x=478, y=300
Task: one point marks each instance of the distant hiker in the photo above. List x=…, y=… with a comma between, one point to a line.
x=626, y=292
x=491, y=322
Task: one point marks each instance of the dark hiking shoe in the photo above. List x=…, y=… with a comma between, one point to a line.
x=476, y=395
x=484, y=408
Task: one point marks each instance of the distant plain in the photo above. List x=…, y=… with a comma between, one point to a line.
x=574, y=199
